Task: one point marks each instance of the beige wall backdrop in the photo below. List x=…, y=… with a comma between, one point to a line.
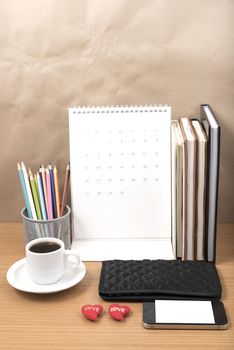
x=60, y=53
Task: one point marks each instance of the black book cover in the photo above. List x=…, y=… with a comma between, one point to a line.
x=212, y=129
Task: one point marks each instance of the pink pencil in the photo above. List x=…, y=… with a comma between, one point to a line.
x=49, y=196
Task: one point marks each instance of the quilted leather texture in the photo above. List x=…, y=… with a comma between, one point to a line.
x=141, y=280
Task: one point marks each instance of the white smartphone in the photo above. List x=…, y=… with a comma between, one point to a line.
x=184, y=314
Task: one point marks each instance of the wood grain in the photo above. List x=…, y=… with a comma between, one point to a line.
x=54, y=321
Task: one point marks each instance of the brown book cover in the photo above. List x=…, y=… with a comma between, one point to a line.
x=201, y=189
x=177, y=186
x=189, y=188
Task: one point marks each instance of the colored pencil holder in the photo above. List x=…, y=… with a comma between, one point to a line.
x=58, y=228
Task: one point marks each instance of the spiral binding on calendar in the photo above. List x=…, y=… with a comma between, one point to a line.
x=109, y=109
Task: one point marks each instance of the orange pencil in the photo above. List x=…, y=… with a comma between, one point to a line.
x=57, y=195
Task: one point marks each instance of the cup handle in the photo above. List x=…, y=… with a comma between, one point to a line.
x=71, y=259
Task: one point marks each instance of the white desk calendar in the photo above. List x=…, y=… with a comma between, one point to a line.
x=120, y=161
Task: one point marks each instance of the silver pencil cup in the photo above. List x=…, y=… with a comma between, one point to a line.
x=57, y=228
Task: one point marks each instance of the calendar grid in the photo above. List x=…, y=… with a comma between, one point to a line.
x=120, y=172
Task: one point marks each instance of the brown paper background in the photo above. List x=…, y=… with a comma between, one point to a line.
x=59, y=53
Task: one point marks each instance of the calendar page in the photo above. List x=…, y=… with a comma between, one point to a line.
x=120, y=161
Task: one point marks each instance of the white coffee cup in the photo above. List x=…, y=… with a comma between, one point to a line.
x=47, y=258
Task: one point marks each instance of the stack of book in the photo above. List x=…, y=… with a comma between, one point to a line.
x=195, y=171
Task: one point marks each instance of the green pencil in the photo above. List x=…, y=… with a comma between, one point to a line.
x=35, y=196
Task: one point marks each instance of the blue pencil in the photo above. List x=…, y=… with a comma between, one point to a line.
x=53, y=191
x=41, y=197
x=26, y=200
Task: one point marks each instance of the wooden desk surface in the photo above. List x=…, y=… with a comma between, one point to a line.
x=54, y=321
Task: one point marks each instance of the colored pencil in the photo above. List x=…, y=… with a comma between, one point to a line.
x=53, y=196
x=56, y=185
x=48, y=194
x=29, y=192
x=41, y=227
x=35, y=195
x=41, y=197
x=36, y=185
x=41, y=192
x=65, y=189
x=43, y=178
x=26, y=200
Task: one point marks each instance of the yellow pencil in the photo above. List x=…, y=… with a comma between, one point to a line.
x=35, y=197
x=57, y=195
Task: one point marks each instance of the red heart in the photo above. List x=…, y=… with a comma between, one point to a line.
x=118, y=312
x=91, y=312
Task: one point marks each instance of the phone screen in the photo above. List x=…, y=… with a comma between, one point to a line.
x=184, y=311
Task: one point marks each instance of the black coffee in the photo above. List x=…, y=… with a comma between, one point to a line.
x=44, y=247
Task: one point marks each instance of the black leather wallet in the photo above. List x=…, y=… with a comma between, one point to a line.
x=142, y=280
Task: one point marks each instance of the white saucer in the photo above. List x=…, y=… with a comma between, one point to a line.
x=17, y=276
